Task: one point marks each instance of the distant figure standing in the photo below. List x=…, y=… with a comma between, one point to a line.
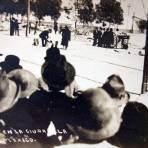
x=44, y=35
x=99, y=36
x=12, y=25
x=110, y=38
x=16, y=27
x=30, y=27
x=55, y=27
x=66, y=37
x=95, y=36
x=105, y=38
x=60, y=29
x=36, y=26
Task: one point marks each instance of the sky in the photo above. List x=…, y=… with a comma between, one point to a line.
x=139, y=8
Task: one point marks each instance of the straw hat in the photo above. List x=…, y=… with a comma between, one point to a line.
x=9, y=92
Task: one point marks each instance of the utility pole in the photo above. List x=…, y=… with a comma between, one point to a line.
x=76, y=13
x=128, y=11
x=133, y=17
x=145, y=68
x=28, y=14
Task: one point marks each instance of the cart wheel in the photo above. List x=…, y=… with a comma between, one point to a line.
x=115, y=41
x=125, y=44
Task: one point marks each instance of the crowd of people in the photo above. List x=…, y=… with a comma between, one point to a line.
x=106, y=37
x=88, y=116
x=65, y=33
x=28, y=105
x=44, y=34
x=103, y=37
x=14, y=26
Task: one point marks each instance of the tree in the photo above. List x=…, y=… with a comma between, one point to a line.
x=142, y=25
x=85, y=11
x=40, y=7
x=13, y=6
x=46, y=7
x=110, y=11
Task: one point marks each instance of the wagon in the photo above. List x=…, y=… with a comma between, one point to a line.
x=121, y=41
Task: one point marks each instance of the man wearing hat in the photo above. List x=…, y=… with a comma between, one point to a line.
x=57, y=73
x=44, y=35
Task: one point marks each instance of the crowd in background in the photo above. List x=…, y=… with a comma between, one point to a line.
x=103, y=37
x=14, y=26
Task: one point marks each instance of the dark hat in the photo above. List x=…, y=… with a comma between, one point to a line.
x=134, y=128
x=53, y=54
x=59, y=74
x=98, y=117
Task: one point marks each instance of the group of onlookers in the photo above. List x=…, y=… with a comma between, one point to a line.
x=14, y=26
x=29, y=105
x=65, y=33
x=103, y=37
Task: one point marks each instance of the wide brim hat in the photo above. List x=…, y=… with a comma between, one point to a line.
x=95, y=111
x=58, y=76
x=10, y=97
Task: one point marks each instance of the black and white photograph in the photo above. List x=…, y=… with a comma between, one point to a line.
x=73, y=74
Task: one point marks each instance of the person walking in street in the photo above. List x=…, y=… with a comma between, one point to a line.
x=12, y=25
x=36, y=26
x=66, y=37
x=55, y=27
x=16, y=27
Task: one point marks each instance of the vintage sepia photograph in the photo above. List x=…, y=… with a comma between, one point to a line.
x=73, y=74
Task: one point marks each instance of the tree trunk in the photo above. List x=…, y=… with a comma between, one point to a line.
x=28, y=14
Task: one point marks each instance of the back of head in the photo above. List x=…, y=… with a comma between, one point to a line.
x=53, y=54
x=114, y=86
x=96, y=95
x=134, y=128
x=99, y=102
x=12, y=60
x=58, y=74
x=135, y=116
x=99, y=116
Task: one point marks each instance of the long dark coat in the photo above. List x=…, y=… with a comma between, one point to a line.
x=66, y=36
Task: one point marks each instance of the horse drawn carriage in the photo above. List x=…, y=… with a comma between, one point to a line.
x=121, y=40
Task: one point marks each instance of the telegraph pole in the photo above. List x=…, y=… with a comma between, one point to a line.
x=76, y=13
x=28, y=14
x=145, y=68
x=128, y=11
x=133, y=17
